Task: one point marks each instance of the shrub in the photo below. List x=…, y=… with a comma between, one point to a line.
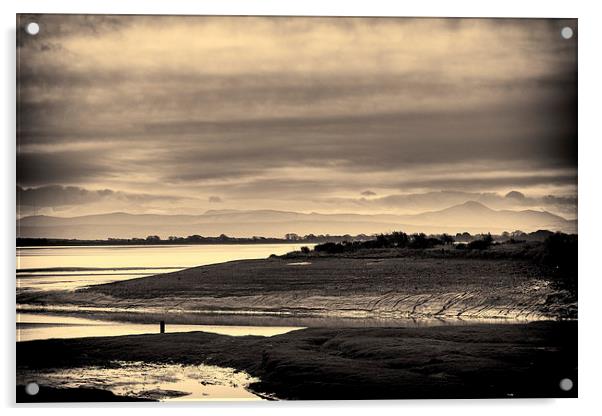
x=561, y=250
x=329, y=248
x=396, y=239
x=481, y=244
x=422, y=241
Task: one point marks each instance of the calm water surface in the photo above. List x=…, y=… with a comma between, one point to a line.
x=32, y=326
x=70, y=268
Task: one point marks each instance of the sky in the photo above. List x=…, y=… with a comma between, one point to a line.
x=152, y=114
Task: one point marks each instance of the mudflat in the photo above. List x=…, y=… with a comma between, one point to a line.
x=477, y=361
x=385, y=284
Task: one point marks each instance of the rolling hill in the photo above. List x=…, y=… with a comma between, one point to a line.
x=470, y=216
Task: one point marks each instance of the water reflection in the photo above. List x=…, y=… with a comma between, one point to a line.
x=166, y=382
x=72, y=280
x=146, y=256
x=70, y=268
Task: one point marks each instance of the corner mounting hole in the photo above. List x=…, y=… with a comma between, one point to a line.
x=566, y=384
x=566, y=32
x=32, y=389
x=32, y=28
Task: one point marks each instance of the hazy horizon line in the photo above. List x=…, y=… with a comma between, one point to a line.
x=232, y=210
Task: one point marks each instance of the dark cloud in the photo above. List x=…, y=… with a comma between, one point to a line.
x=289, y=108
x=376, y=143
x=35, y=168
x=368, y=193
x=55, y=196
x=215, y=199
x=59, y=26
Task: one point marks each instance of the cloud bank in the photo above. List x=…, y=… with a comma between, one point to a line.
x=291, y=113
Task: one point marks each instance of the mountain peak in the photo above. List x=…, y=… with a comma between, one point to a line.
x=472, y=205
x=515, y=195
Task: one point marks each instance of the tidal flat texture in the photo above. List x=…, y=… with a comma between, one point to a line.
x=478, y=361
x=386, y=284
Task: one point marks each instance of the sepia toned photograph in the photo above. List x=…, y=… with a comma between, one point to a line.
x=264, y=208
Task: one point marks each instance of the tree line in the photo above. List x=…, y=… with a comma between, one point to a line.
x=554, y=242
x=394, y=239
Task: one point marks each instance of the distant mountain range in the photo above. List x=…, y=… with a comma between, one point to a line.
x=470, y=216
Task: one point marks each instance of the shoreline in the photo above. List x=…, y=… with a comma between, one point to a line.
x=279, y=318
x=478, y=361
x=503, y=325
x=274, y=318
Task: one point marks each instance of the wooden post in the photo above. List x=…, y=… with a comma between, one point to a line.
x=162, y=327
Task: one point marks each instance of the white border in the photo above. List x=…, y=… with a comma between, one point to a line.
x=590, y=206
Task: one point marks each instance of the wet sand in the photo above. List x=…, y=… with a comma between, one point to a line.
x=479, y=361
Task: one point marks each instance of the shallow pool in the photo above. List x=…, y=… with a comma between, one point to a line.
x=165, y=382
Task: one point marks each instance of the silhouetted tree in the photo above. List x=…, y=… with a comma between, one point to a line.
x=418, y=241
x=399, y=239
x=447, y=239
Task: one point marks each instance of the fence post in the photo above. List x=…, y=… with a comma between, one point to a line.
x=162, y=327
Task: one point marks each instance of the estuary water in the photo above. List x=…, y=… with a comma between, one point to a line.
x=70, y=268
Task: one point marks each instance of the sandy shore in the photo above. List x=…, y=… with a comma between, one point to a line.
x=522, y=360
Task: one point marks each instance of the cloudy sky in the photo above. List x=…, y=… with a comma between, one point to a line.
x=185, y=114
